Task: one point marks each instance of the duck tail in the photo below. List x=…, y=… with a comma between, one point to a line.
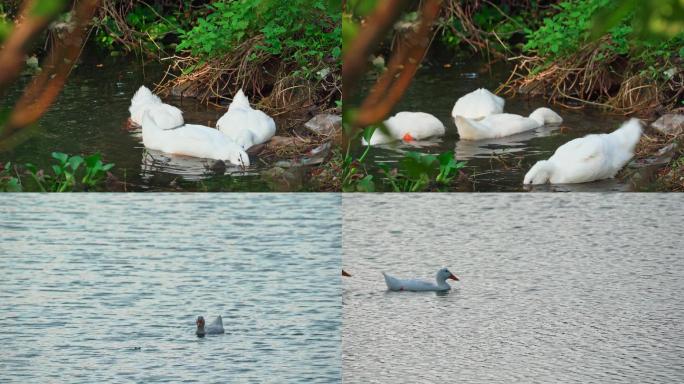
x=144, y=96
x=240, y=100
x=628, y=135
x=540, y=173
x=545, y=116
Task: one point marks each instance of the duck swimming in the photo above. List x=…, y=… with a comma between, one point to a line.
x=478, y=104
x=407, y=126
x=244, y=125
x=144, y=100
x=504, y=124
x=589, y=158
x=188, y=139
x=215, y=328
x=394, y=284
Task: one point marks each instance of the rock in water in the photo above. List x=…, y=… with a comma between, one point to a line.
x=670, y=124
x=324, y=124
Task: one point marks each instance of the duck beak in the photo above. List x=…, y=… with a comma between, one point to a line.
x=407, y=137
x=453, y=277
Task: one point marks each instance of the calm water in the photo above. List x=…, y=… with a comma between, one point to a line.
x=106, y=289
x=498, y=164
x=90, y=116
x=553, y=289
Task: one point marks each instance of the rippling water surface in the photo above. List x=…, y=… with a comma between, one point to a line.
x=577, y=289
x=101, y=288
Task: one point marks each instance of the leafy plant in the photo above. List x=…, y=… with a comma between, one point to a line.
x=70, y=173
x=8, y=181
x=305, y=32
x=417, y=171
x=352, y=178
x=577, y=23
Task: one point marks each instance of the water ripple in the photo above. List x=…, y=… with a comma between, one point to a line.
x=101, y=288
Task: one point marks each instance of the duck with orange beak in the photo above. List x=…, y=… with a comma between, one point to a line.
x=415, y=285
x=407, y=126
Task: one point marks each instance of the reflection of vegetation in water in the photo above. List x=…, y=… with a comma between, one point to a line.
x=70, y=173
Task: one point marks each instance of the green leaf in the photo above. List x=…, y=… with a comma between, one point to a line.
x=75, y=162
x=61, y=157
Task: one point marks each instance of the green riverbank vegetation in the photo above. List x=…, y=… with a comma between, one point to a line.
x=624, y=56
x=286, y=56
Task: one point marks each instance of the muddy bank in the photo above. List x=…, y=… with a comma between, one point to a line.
x=659, y=160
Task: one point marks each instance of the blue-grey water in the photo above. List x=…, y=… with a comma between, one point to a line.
x=105, y=288
x=554, y=289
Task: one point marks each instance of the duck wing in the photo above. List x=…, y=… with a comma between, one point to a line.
x=394, y=284
x=216, y=326
x=581, y=160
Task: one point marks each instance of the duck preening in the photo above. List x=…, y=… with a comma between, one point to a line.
x=478, y=104
x=407, y=126
x=188, y=139
x=144, y=100
x=589, y=158
x=395, y=284
x=215, y=328
x=244, y=125
x=504, y=124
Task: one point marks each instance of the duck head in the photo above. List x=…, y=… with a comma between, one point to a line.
x=200, y=326
x=540, y=173
x=444, y=274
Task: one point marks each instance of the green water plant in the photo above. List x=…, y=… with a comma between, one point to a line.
x=355, y=177
x=70, y=173
x=9, y=179
x=419, y=172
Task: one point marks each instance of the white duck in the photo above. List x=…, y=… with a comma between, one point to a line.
x=144, y=100
x=478, y=104
x=215, y=328
x=504, y=124
x=589, y=158
x=189, y=139
x=408, y=126
x=394, y=284
x=244, y=125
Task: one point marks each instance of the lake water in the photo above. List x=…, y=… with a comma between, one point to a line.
x=496, y=164
x=101, y=288
x=554, y=289
x=90, y=116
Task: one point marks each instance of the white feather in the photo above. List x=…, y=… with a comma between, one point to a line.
x=244, y=125
x=419, y=125
x=589, y=158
